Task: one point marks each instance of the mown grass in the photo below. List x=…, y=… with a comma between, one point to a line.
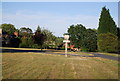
x=48, y=66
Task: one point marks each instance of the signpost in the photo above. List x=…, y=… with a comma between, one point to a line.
x=66, y=37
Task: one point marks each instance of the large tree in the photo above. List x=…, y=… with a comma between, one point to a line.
x=106, y=23
x=76, y=33
x=8, y=28
x=107, y=28
x=50, y=38
x=90, y=41
x=82, y=37
x=24, y=31
x=107, y=42
x=39, y=37
x=118, y=34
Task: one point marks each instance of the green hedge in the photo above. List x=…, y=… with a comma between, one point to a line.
x=107, y=43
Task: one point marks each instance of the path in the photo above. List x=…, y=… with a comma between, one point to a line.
x=106, y=56
x=52, y=52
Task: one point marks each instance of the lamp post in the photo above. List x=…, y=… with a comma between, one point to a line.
x=66, y=37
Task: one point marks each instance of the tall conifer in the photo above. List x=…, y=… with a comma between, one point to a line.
x=106, y=23
x=107, y=32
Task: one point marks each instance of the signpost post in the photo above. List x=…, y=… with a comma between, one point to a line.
x=66, y=37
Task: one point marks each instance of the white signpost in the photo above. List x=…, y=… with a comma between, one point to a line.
x=66, y=37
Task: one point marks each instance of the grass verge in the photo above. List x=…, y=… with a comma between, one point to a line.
x=49, y=66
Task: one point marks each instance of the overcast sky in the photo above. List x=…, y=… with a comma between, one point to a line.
x=55, y=16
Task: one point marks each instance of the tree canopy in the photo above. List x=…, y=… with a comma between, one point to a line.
x=8, y=28
x=107, y=28
x=82, y=37
x=106, y=23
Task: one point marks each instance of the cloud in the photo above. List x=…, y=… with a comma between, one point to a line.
x=57, y=24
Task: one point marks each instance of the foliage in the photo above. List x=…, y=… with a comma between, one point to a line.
x=58, y=42
x=30, y=41
x=77, y=34
x=106, y=23
x=89, y=43
x=118, y=34
x=107, y=28
x=38, y=29
x=5, y=40
x=107, y=42
x=25, y=31
x=82, y=37
x=14, y=41
x=50, y=38
x=8, y=28
x=39, y=37
x=26, y=42
x=35, y=46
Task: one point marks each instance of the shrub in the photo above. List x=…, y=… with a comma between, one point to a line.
x=35, y=46
x=107, y=42
x=84, y=50
x=24, y=43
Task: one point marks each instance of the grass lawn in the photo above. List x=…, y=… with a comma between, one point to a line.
x=48, y=66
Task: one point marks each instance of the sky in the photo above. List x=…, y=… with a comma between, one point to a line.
x=55, y=16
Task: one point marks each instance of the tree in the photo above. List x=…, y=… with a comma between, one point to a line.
x=39, y=37
x=25, y=31
x=84, y=38
x=107, y=27
x=38, y=29
x=50, y=38
x=89, y=43
x=14, y=41
x=24, y=42
x=8, y=28
x=118, y=35
x=59, y=42
x=106, y=23
x=77, y=34
x=26, y=37
x=107, y=42
x=27, y=42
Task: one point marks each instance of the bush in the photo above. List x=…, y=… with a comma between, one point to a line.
x=24, y=43
x=84, y=50
x=35, y=46
x=107, y=42
x=118, y=45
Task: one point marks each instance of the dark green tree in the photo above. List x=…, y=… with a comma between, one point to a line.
x=38, y=29
x=106, y=23
x=39, y=37
x=84, y=38
x=107, y=27
x=77, y=34
x=24, y=42
x=107, y=42
x=25, y=31
x=89, y=43
x=50, y=38
x=8, y=28
x=118, y=34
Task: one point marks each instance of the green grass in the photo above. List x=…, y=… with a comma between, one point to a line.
x=48, y=66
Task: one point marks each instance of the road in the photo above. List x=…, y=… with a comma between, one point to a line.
x=52, y=52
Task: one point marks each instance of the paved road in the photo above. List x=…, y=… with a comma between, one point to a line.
x=52, y=52
x=94, y=55
x=107, y=57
